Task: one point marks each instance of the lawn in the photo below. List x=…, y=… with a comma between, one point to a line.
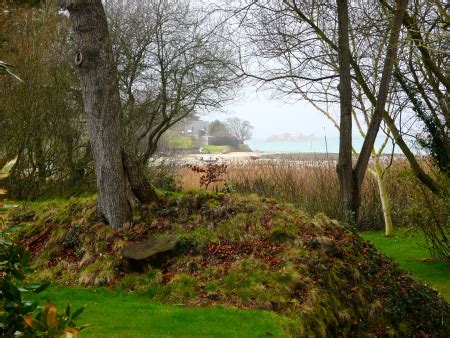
x=412, y=255
x=118, y=314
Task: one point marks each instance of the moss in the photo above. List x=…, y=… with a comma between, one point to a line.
x=139, y=282
x=282, y=234
x=241, y=251
x=23, y=213
x=181, y=288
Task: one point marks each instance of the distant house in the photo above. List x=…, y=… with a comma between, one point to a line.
x=197, y=130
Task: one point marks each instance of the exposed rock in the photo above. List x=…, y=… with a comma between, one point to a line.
x=149, y=248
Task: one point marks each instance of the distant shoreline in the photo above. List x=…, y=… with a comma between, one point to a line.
x=258, y=155
x=195, y=158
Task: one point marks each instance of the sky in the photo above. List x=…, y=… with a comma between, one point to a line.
x=271, y=116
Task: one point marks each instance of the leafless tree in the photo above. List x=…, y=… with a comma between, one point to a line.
x=240, y=129
x=300, y=49
x=422, y=78
x=172, y=63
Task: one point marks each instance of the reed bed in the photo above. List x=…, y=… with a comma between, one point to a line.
x=313, y=186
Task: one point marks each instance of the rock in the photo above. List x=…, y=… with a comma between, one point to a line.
x=149, y=248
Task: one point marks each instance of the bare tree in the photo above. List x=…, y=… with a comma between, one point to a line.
x=422, y=79
x=347, y=180
x=298, y=52
x=240, y=129
x=172, y=63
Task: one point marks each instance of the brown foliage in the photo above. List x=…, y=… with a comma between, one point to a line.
x=211, y=173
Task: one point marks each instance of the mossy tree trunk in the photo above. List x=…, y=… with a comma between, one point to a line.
x=119, y=180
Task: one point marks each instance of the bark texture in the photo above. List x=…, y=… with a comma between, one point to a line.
x=98, y=76
x=345, y=165
x=140, y=187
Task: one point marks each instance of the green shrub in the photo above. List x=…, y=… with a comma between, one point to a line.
x=16, y=313
x=163, y=174
x=223, y=138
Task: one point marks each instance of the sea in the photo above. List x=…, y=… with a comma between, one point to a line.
x=331, y=145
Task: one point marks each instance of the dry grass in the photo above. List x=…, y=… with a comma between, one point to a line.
x=314, y=187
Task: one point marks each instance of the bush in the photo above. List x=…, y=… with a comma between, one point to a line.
x=223, y=138
x=244, y=147
x=16, y=313
x=163, y=174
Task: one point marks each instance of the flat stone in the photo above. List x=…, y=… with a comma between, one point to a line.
x=149, y=248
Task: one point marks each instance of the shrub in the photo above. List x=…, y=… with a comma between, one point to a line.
x=163, y=174
x=211, y=173
x=223, y=138
x=16, y=313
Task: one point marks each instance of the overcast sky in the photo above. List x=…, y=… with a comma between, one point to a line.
x=271, y=116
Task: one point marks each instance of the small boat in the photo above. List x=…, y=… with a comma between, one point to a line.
x=210, y=159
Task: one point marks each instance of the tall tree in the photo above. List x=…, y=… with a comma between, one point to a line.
x=383, y=91
x=296, y=46
x=98, y=77
x=120, y=182
x=347, y=180
x=173, y=63
x=240, y=129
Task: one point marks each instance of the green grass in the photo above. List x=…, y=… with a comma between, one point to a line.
x=410, y=253
x=216, y=149
x=118, y=314
x=182, y=142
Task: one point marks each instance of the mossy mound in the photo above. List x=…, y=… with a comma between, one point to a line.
x=238, y=251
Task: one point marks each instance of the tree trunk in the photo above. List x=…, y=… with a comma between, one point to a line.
x=345, y=165
x=141, y=189
x=426, y=179
x=98, y=76
x=383, y=92
x=384, y=197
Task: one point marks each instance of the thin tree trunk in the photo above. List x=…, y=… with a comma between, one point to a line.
x=416, y=168
x=383, y=92
x=384, y=197
x=345, y=165
x=98, y=75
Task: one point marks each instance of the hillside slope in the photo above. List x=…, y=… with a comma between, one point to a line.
x=240, y=251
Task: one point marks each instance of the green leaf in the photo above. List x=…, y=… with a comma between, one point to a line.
x=17, y=275
x=68, y=310
x=25, y=259
x=77, y=312
x=9, y=289
x=82, y=327
x=42, y=287
x=5, y=241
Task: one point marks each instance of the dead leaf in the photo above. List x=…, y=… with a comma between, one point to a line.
x=28, y=321
x=52, y=316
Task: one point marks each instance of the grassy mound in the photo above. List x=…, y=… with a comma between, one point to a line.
x=237, y=251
